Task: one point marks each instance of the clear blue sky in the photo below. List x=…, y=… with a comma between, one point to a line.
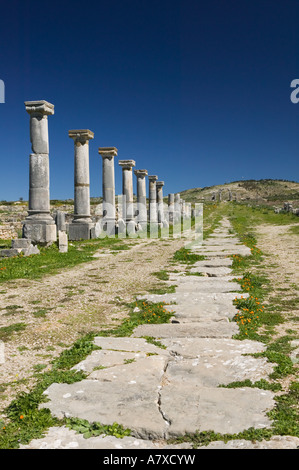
x=196, y=91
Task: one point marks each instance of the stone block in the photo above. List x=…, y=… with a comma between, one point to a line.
x=32, y=250
x=60, y=221
x=10, y=252
x=62, y=241
x=22, y=243
x=79, y=231
x=42, y=233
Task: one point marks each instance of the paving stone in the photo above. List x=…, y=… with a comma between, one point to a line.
x=107, y=359
x=214, y=262
x=207, y=285
x=223, y=410
x=217, y=271
x=129, y=344
x=223, y=241
x=175, y=330
x=187, y=298
x=276, y=442
x=218, y=369
x=119, y=394
x=206, y=347
x=65, y=438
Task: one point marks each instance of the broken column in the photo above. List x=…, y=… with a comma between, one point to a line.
x=128, y=205
x=108, y=184
x=141, y=198
x=153, y=216
x=81, y=224
x=39, y=226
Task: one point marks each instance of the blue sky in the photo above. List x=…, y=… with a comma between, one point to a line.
x=196, y=92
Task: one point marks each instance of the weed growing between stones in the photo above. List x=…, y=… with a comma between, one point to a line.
x=183, y=255
x=94, y=429
x=140, y=312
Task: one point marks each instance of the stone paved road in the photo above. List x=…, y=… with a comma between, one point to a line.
x=162, y=393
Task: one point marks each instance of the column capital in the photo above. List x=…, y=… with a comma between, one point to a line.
x=81, y=135
x=39, y=107
x=140, y=172
x=127, y=164
x=160, y=184
x=107, y=152
x=153, y=177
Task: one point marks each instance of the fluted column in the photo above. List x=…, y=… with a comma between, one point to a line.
x=39, y=226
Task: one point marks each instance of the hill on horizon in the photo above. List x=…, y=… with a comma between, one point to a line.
x=264, y=191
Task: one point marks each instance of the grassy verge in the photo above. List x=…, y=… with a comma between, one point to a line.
x=51, y=260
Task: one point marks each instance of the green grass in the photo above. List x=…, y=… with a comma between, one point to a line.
x=184, y=255
x=162, y=275
x=7, y=331
x=148, y=313
x=50, y=260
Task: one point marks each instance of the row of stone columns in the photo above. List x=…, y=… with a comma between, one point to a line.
x=40, y=227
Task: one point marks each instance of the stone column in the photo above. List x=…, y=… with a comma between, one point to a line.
x=177, y=207
x=39, y=226
x=171, y=207
x=141, y=198
x=153, y=216
x=160, y=208
x=108, y=185
x=81, y=224
x=128, y=207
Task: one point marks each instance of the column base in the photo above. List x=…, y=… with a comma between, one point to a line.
x=77, y=231
x=41, y=232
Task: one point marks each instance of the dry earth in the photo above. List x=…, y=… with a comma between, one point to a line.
x=281, y=248
x=88, y=297
x=281, y=262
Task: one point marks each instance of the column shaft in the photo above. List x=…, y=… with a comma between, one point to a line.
x=39, y=226
x=141, y=196
x=127, y=180
x=160, y=208
x=153, y=216
x=81, y=224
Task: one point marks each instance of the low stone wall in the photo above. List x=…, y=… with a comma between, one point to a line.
x=7, y=232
